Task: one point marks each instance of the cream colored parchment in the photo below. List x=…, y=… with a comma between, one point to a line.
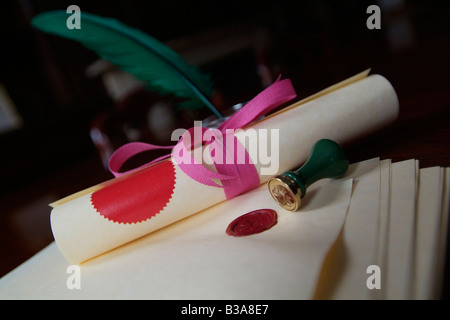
x=196, y=259
x=344, y=272
x=428, y=224
x=401, y=233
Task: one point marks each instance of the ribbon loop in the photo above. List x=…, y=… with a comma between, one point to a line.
x=129, y=150
x=270, y=98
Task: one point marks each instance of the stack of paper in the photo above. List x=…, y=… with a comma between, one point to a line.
x=378, y=233
x=392, y=245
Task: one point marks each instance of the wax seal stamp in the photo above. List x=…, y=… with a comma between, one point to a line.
x=327, y=160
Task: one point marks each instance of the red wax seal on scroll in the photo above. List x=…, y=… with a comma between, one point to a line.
x=138, y=197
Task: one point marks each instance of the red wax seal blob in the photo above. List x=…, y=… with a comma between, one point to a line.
x=137, y=197
x=253, y=222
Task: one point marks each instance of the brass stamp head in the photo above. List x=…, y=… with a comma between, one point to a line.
x=327, y=160
x=285, y=192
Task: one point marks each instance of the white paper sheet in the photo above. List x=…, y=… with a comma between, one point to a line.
x=383, y=226
x=443, y=233
x=401, y=233
x=356, y=249
x=428, y=225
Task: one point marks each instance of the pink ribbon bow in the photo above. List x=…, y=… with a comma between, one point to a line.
x=235, y=178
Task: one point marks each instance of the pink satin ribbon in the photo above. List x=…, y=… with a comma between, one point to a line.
x=235, y=178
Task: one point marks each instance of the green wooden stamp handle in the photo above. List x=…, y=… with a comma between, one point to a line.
x=327, y=160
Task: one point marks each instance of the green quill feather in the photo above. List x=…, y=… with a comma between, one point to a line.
x=135, y=52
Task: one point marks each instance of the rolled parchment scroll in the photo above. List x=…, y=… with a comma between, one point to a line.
x=85, y=225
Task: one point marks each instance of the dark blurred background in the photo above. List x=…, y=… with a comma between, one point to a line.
x=63, y=111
